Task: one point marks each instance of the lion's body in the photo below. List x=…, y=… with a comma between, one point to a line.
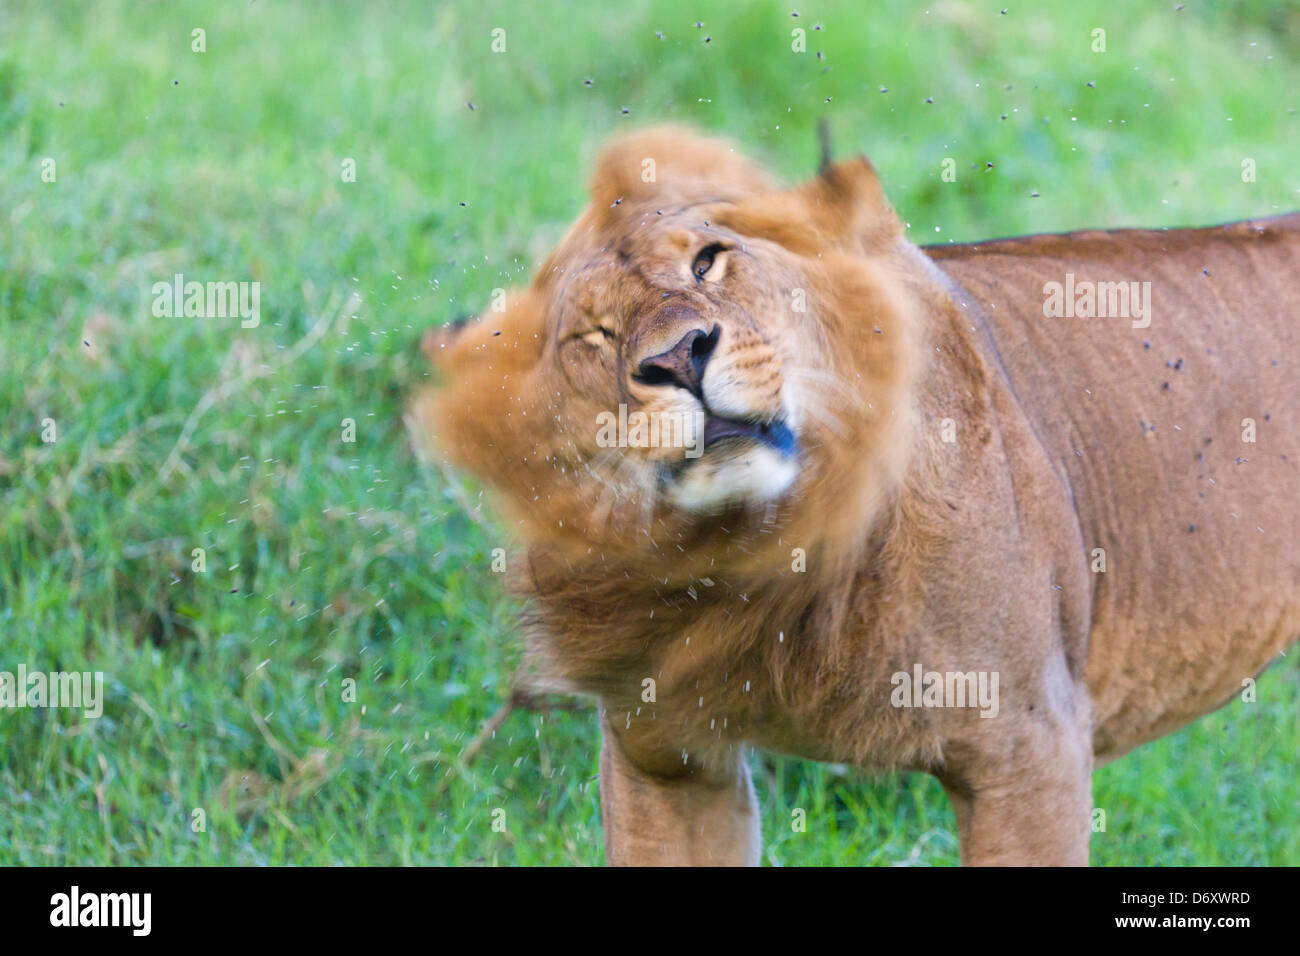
x=1200, y=529
x=953, y=467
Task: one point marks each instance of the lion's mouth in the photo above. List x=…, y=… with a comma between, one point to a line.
x=775, y=435
x=755, y=462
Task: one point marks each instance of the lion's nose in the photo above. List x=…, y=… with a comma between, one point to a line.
x=683, y=364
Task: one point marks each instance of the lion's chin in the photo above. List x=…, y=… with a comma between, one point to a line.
x=748, y=475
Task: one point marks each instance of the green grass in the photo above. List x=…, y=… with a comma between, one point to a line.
x=328, y=560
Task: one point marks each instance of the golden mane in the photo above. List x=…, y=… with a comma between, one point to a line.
x=611, y=601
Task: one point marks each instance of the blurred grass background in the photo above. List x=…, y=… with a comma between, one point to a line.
x=328, y=560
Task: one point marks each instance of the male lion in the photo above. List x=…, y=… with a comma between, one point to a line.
x=943, y=519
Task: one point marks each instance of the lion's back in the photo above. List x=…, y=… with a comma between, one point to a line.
x=1178, y=440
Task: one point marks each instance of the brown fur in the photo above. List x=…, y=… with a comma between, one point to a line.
x=969, y=555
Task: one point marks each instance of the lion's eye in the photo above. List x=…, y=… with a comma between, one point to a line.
x=598, y=336
x=705, y=259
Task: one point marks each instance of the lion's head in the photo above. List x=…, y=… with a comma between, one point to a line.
x=705, y=354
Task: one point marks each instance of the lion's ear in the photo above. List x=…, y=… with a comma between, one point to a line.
x=843, y=206
x=676, y=162
x=485, y=384
x=510, y=335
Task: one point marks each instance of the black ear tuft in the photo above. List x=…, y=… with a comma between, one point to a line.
x=443, y=335
x=824, y=137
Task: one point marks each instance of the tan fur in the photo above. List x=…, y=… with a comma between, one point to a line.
x=965, y=555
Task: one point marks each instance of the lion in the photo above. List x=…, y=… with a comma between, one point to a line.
x=963, y=509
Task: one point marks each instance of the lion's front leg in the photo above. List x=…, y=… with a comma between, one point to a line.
x=1032, y=810
x=700, y=816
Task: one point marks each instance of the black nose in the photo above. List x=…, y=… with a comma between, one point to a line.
x=683, y=364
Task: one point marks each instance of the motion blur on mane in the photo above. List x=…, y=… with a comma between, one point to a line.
x=789, y=335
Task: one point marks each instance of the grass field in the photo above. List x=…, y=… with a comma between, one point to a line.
x=329, y=560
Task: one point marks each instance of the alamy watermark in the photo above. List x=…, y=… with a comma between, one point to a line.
x=82, y=690
x=683, y=430
x=922, y=688
x=1098, y=300
x=132, y=911
x=212, y=300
